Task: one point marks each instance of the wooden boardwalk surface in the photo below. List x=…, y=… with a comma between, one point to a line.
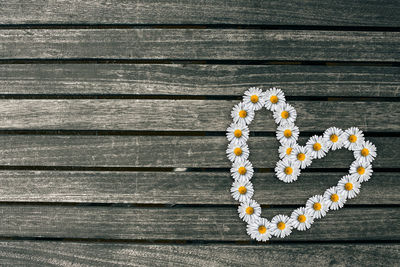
x=113, y=117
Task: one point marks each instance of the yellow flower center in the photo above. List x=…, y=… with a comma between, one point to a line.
x=334, y=138
x=317, y=206
x=285, y=114
x=288, y=151
x=317, y=146
x=281, y=225
x=242, y=114
x=353, y=138
x=238, y=133
x=301, y=156
x=288, y=170
x=348, y=186
x=301, y=218
x=361, y=170
x=365, y=152
x=262, y=229
x=237, y=151
x=249, y=210
x=242, y=170
x=254, y=98
x=273, y=99
x=242, y=190
x=287, y=133
x=334, y=198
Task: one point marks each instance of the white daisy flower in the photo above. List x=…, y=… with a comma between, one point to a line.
x=286, y=149
x=280, y=226
x=274, y=97
x=260, y=229
x=249, y=211
x=287, y=133
x=317, y=206
x=236, y=151
x=334, y=198
x=366, y=152
x=301, y=156
x=237, y=133
x=317, y=147
x=242, y=169
x=361, y=170
x=285, y=113
x=349, y=186
x=301, y=219
x=353, y=138
x=333, y=138
x=286, y=170
x=241, y=113
x=242, y=190
x=254, y=98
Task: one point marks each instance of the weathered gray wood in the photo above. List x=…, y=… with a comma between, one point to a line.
x=344, y=13
x=36, y=253
x=182, y=79
x=185, y=223
x=164, y=151
x=172, y=187
x=200, y=44
x=187, y=115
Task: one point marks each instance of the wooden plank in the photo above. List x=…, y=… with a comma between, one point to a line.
x=36, y=253
x=185, y=223
x=163, y=151
x=187, y=79
x=372, y=13
x=172, y=187
x=187, y=115
x=200, y=44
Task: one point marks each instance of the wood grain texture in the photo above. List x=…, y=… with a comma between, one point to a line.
x=200, y=44
x=108, y=254
x=187, y=79
x=164, y=151
x=185, y=223
x=188, y=115
x=172, y=187
x=354, y=13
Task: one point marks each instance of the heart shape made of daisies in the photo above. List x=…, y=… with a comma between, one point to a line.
x=293, y=158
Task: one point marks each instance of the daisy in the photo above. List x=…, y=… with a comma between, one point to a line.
x=317, y=206
x=317, y=147
x=274, y=97
x=334, y=198
x=249, y=211
x=237, y=133
x=242, y=169
x=361, y=170
x=301, y=219
x=280, y=226
x=286, y=170
x=236, y=151
x=242, y=114
x=366, y=152
x=349, y=186
x=254, y=98
x=301, y=156
x=260, y=229
x=285, y=113
x=352, y=138
x=286, y=149
x=287, y=132
x=242, y=190
x=333, y=138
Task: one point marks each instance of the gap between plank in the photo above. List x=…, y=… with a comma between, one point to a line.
x=49, y=26
x=191, y=61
